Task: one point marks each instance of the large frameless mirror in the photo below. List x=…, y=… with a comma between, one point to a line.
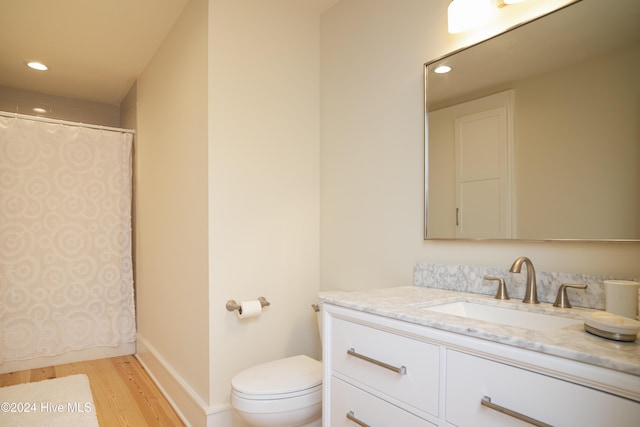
x=535, y=134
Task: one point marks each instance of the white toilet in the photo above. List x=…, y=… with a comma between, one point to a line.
x=282, y=393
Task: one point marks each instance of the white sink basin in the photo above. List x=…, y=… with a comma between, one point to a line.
x=505, y=316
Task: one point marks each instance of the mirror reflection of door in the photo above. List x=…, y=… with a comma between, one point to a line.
x=481, y=136
x=482, y=174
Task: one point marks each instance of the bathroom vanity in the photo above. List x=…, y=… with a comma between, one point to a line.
x=397, y=357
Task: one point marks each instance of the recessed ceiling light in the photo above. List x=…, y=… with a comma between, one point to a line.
x=442, y=69
x=39, y=110
x=37, y=65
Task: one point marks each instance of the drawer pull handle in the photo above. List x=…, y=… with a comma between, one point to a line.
x=351, y=416
x=402, y=370
x=486, y=401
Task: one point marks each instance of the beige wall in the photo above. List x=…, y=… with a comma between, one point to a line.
x=21, y=101
x=372, y=53
x=129, y=109
x=172, y=280
x=227, y=196
x=372, y=151
x=263, y=175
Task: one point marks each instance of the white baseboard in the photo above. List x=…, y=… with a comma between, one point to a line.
x=69, y=357
x=187, y=403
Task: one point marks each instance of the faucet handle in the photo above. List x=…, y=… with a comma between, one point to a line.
x=562, y=299
x=502, y=287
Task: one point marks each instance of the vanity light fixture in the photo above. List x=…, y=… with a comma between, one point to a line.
x=467, y=14
x=35, y=65
x=442, y=69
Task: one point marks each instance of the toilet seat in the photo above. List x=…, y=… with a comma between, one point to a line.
x=278, y=396
x=276, y=405
x=283, y=376
x=280, y=385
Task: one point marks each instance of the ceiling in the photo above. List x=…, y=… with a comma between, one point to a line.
x=95, y=49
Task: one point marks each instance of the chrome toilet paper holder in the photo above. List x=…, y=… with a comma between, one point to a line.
x=233, y=306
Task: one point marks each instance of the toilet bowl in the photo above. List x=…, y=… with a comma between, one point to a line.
x=284, y=393
x=281, y=393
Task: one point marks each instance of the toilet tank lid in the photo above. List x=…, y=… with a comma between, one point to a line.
x=279, y=376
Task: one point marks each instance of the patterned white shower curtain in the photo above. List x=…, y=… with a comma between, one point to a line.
x=66, y=279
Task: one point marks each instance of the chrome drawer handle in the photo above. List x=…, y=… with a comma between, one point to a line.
x=351, y=416
x=402, y=370
x=486, y=401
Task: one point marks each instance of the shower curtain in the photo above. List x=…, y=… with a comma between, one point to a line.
x=66, y=279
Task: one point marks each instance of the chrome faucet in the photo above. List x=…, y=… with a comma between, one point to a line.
x=531, y=292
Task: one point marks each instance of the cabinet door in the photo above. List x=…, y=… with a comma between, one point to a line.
x=416, y=381
x=347, y=400
x=549, y=400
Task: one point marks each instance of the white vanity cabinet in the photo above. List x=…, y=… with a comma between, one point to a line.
x=516, y=391
x=353, y=406
x=386, y=372
x=381, y=377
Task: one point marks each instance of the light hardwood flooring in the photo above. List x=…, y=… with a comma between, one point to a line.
x=123, y=392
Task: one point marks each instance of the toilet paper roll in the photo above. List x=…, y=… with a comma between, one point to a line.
x=249, y=309
x=621, y=297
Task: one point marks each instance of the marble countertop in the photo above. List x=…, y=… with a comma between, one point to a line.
x=408, y=304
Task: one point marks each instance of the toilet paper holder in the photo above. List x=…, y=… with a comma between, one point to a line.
x=232, y=305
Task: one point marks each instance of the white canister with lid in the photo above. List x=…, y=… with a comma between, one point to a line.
x=621, y=297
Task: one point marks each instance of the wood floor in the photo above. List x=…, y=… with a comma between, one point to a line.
x=123, y=392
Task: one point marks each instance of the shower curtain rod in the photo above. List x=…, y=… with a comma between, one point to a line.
x=65, y=122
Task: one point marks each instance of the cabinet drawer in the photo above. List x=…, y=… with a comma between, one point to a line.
x=347, y=399
x=546, y=399
x=418, y=362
